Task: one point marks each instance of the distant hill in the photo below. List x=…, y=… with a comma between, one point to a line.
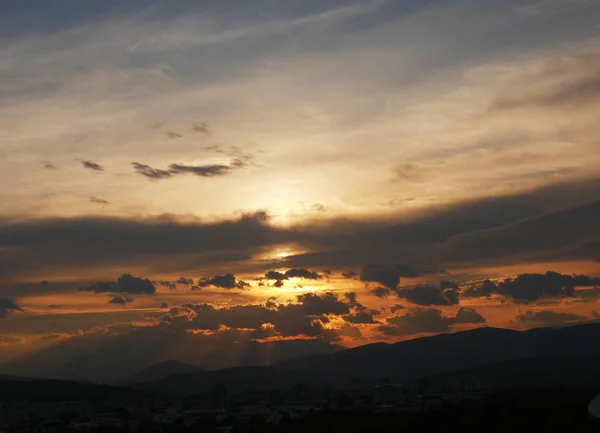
x=241, y=379
x=6, y=377
x=104, y=358
x=454, y=352
x=499, y=357
x=161, y=370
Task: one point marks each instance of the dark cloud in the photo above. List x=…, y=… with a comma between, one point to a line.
x=125, y=284
x=548, y=318
x=397, y=307
x=348, y=330
x=360, y=317
x=201, y=127
x=185, y=281
x=479, y=290
x=305, y=317
x=468, y=315
x=318, y=207
x=149, y=172
x=553, y=236
x=506, y=230
x=531, y=287
x=121, y=300
x=428, y=295
x=381, y=292
x=445, y=284
x=326, y=303
x=91, y=165
x=8, y=305
x=352, y=301
x=164, y=305
x=280, y=277
x=48, y=165
x=428, y=320
x=101, y=242
x=9, y=339
x=302, y=273
x=172, y=134
x=97, y=200
x=349, y=274
x=210, y=170
x=407, y=271
x=171, y=285
x=225, y=281
x=388, y=276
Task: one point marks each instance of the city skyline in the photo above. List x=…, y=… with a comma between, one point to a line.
x=323, y=174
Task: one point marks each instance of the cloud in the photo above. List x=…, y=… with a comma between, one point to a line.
x=305, y=317
x=572, y=92
x=479, y=290
x=91, y=165
x=531, y=287
x=126, y=283
x=428, y=320
x=225, y=281
x=97, y=200
x=429, y=295
x=349, y=274
x=548, y=318
x=210, y=170
x=8, y=305
x=388, y=276
x=468, y=315
x=397, y=307
x=185, y=281
x=348, y=330
x=10, y=339
x=279, y=277
x=360, y=317
x=381, y=292
x=149, y=172
x=121, y=300
x=172, y=134
x=201, y=127
x=407, y=271
x=164, y=305
x=171, y=285
x=325, y=303
x=48, y=165
x=488, y=231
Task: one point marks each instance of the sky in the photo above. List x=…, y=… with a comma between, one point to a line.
x=233, y=182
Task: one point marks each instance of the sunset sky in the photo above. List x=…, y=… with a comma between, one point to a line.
x=229, y=182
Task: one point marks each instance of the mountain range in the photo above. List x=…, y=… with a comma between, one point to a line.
x=499, y=357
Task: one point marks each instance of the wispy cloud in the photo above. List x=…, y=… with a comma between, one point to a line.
x=91, y=165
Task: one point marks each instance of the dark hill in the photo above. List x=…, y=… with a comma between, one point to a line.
x=458, y=351
x=62, y=390
x=161, y=370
